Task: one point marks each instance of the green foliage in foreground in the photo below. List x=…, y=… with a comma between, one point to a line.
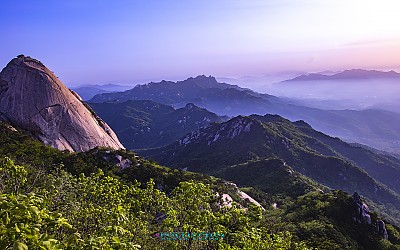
x=324, y=221
x=59, y=211
x=85, y=201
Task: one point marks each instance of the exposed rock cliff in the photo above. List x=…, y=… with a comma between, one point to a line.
x=33, y=98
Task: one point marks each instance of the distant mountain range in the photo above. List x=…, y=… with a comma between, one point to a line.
x=87, y=91
x=353, y=74
x=147, y=124
x=294, y=203
x=246, y=144
x=224, y=99
x=274, y=160
x=207, y=92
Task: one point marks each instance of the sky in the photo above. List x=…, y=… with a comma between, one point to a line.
x=132, y=41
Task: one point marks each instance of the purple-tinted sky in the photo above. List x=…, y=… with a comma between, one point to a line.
x=96, y=41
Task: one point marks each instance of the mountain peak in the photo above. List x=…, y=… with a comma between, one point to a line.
x=190, y=106
x=302, y=124
x=350, y=74
x=29, y=62
x=193, y=89
x=33, y=98
x=204, y=77
x=362, y=73
x=203, y=81
x=227, y=131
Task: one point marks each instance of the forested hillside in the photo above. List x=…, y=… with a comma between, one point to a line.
x=147, y=124
x=107, y=199
x=258, y=145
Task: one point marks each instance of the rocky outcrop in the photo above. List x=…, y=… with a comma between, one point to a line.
x=361, y=214
x=34, y=99
x=122, y=162
x=381, y=228
x=245, y=196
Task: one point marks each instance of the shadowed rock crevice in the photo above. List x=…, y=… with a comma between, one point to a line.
x=3, y=86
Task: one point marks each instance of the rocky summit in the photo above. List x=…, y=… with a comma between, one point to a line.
x=34, y=99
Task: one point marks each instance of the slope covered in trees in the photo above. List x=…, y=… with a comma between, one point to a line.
x=147, y=124
x=57, y=200
x=260, y=145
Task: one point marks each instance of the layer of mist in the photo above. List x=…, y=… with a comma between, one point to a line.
x=340, y=94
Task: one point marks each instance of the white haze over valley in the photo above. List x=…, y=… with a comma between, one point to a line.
x=327, y=94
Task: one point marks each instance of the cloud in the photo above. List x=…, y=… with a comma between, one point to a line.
x=369, y=43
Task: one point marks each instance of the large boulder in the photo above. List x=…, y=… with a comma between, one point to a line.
x=34, y=99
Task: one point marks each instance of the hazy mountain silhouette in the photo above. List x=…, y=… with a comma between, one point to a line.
x=88, y=91
x=224, y=99
x=353, y=74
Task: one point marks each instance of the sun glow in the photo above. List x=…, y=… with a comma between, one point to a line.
x=369, y=19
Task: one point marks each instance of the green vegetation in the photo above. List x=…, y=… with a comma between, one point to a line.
x=146, y=124
x=290, y=158
x=59, y=200
x=324, y=221
x=54, y=200
x=57, y=210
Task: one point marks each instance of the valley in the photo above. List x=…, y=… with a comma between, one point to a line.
x=200, y=125
x=70, y=164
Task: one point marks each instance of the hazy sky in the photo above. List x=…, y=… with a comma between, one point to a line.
x=94, y=41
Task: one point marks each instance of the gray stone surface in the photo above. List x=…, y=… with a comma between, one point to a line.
x=381, y=228
x=33, y=98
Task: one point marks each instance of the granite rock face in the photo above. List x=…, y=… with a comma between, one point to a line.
x=362, y=211
x=34, y=99
x=381, y=228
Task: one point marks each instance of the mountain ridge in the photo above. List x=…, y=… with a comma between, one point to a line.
x=145, y=123
x=242, y=139
x=88, y=91
x=223, y=99
x=320, y=217
x=113, y=198
x=352, y=74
